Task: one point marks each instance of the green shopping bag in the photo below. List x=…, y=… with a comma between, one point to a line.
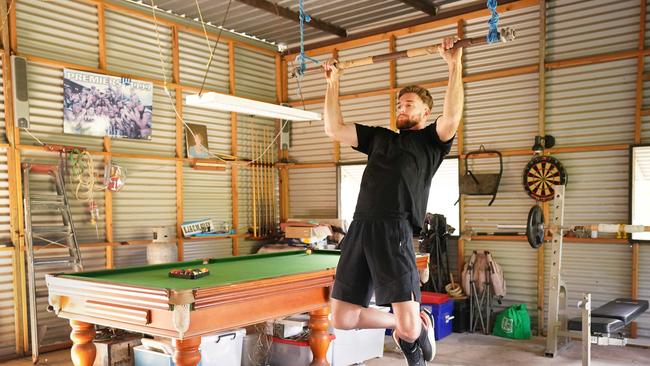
x=514, y=322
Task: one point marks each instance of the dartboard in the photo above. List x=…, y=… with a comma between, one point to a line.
x=541, y=174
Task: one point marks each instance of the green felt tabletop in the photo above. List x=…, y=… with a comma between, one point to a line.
x=223, y=271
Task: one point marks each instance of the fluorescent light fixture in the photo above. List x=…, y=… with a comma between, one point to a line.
x=225, y=102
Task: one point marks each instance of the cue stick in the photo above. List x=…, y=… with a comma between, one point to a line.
x=506, y=35
x=253, y=179
x=268, y=181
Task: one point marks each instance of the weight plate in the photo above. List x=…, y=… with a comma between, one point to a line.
x=535, y=227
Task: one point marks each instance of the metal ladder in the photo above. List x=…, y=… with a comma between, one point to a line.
x=62, y=234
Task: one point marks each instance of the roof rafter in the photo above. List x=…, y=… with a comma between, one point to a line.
x=295, y=16
x=422, y=6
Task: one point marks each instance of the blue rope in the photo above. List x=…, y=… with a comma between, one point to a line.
x=493, y=33
x=301, y=58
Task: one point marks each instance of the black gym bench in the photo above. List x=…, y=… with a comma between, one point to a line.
x=611, y=318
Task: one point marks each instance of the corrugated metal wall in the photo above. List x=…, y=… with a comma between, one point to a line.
x=147, y=200
x=7, y=299
x=309, y=143
x=207, y=194
x=644, y=288
x=592, y=104
x=577, y=28
x=194, y=55
x=254, y=75
x=7, y=303
x=44, y=29
x=135, y=46
x=312, y=193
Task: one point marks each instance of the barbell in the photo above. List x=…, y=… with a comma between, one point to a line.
x=536, y=229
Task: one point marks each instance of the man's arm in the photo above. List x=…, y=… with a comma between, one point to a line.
x=334, y=126
x=452, y=110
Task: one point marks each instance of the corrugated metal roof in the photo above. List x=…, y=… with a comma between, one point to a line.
x=354, y=16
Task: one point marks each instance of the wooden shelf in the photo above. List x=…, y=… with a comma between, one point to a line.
x=548, y=239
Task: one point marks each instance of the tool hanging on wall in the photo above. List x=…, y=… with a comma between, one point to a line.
x=475, y=184
x=82, y=171
x=114, y=177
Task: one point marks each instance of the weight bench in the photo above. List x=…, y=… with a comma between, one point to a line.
x=612, y=317
x=606, y=323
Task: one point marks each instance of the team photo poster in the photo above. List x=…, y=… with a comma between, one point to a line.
x=102, y=105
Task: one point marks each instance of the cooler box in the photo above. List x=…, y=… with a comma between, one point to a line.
x=442, y=309
x=153, y=353
x=285, y=352
x=223, y=349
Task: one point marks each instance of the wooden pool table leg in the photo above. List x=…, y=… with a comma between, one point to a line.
x=186, y=351
x=319, y=339
x=83, y=349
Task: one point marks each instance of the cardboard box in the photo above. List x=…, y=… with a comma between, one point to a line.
x=315, y=232
x=285, y=328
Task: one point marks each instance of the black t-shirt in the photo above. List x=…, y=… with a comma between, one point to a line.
x=397, y=178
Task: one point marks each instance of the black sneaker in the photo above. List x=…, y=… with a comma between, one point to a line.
x=412, y=352
x=427, y=340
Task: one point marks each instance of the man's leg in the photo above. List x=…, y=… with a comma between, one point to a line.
x=351, y=316
x=408, y=330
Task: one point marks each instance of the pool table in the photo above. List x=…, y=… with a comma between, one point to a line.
x=239, y=291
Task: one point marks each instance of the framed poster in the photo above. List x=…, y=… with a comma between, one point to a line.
x=103, y=105
x=196, y=141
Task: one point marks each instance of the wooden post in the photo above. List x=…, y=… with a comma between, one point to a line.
x=336, y=150
x=460, y=259
x=234, y=170
x=108, y=195
x=541, y=122
x=637, y=140
x=392, y=84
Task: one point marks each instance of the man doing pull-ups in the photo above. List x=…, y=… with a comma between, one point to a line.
x=377, y=253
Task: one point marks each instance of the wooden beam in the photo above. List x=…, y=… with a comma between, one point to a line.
x=589, y=60
x=541, y=128
x=284, y=194
x=179, y=174
x=233, y=151
x=176, y=63
x=443, y=19
x=13, y=34
x=336, y=146
x=639, y=73
x=392, y=84
x=422, y=6
x=287, y=13
x=15, y=192
x=101, y=32
x=460, y=259
x=108, y=195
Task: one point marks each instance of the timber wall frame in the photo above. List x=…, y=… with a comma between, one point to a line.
x=15, y=148
x=389, y=37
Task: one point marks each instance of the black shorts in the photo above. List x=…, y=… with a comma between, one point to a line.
x=377, y=254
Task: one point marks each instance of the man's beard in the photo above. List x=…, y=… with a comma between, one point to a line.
x=406, y=124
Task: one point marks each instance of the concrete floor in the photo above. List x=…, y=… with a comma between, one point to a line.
x=465, y=350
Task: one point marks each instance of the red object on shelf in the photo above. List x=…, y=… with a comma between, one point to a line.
x=434, y=298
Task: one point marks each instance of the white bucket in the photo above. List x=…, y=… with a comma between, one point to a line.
x=161, y=253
